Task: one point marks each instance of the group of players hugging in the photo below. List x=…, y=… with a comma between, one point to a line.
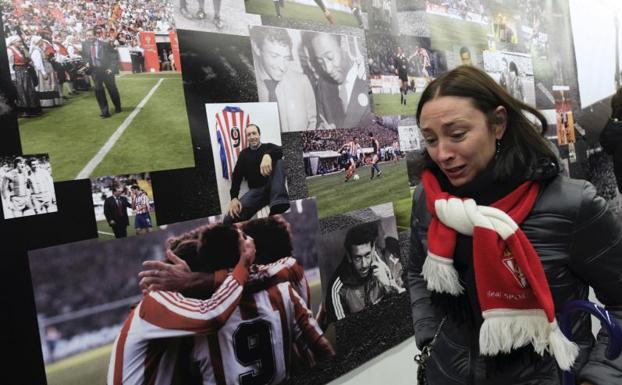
x=229, y=306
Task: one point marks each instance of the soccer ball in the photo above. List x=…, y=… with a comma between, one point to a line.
x=356, y=177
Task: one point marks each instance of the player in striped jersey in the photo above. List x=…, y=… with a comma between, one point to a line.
x=141, y=352
x=258, y=343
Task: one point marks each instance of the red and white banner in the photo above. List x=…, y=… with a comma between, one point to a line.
x=150, y=51
x=175, y=48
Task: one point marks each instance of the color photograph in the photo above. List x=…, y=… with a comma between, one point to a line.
x=124, y=205
x=101, y=96
x=355, y=168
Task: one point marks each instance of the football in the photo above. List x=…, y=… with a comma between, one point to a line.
x=356, y=177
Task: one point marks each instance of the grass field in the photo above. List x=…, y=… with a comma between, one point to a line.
x=105, y=232
x=299, y=11
x=389, y=104
x=158, y=138
x=334, y=196
x=91, y=367
x=446, y=33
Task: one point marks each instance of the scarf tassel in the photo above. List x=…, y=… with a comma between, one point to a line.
x=441, y=275
x=501, y=334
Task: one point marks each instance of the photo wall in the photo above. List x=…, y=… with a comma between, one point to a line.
x=127, y=123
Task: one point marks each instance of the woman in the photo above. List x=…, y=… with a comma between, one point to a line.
x=499, y=272
x=47, y=88
x=20, y=68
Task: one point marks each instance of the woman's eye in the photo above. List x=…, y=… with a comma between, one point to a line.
x=457, y=135
x=430, y=141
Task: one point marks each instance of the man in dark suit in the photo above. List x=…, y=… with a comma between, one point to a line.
x=343, y=97
x=115, y=210
x=101, y=59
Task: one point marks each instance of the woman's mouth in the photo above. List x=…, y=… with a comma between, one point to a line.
x=454, y=172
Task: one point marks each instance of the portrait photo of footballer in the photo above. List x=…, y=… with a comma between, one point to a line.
x=360, y=265
x=26, y=186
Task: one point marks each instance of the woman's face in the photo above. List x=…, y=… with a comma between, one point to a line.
x=458, y=138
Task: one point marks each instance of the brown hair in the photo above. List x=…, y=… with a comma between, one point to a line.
x=522, y=147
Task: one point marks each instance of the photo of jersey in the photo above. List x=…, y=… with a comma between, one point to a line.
x=229, y=130
x=255, y=344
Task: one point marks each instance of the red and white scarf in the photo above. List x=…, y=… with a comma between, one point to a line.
x=514, y=296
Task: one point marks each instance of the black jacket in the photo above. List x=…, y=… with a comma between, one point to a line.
x=611, y=140
x=579, y=242
x=111, y=211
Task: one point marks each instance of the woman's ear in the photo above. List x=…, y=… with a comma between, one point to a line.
x=500, y=121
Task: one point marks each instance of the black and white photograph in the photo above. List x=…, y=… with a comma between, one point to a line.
x=410, y=136
x=514, y=72
x=319, y=80
x=248, y=159
x=27, y=186
x=360, y=265
x=124, y=205
x=329, y=12
x=222, y=16
x=382, y=16
x=106, y=75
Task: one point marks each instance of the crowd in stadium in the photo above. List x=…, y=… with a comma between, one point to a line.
x=47, y=46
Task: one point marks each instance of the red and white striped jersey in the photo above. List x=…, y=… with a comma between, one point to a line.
x=139, y=354
x=255, y=344
x=140, y=203
x=229, y=131
x=284, y=270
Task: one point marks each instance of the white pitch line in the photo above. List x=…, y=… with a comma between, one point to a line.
x=104, y=232
x=90, y=166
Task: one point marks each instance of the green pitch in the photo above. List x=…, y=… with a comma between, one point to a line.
x=105, y=232
x=91, y=367
x=389, y=104
x=158, y=138
x=334, y=196
x=446, y=32
x=299, y=11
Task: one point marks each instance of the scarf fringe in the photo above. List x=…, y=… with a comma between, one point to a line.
x=441, y=275
x=501, y=334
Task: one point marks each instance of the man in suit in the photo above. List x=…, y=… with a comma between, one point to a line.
x=278, y=82
x=100, y=57
x=115, y=210
x=343, y=97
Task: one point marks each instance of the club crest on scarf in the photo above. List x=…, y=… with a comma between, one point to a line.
x=510, y=263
